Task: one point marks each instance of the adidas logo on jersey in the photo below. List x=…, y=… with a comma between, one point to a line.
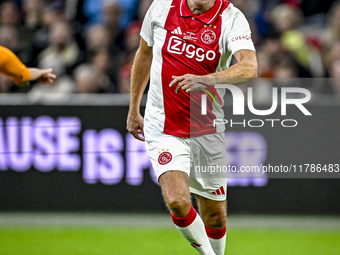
x=177, y=31
x=219, y=191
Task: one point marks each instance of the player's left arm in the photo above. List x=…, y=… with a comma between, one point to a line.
x=11, y=65
x=243, y=71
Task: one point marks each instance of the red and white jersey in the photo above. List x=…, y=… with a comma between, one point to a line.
x=185, y=43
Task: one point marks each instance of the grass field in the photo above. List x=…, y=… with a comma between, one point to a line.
x=73, y=235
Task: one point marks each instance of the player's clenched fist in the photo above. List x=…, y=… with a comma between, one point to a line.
x=135, y=124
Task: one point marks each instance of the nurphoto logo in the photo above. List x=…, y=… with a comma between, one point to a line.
x=239, y=106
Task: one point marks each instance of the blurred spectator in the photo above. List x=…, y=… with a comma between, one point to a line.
x=88, y=79
x=124, y=77
x=271, y=47
x=286, y=20
x=97, y=37
x=11, y=30
x=63, y=45
x=6, y=84
x=100, y=48
x=95, y=11
x=333, y=69
x=248, y=7
x=9, y=14
x=333, y=53
x=333, y=30
x=111, y=12
x=101, y=61
x=131, y=45
x=51, y=14
x=284, y=67
x=9, y=38
x=62, y=85
x=334, y=72
x=56, y=11
x=286, y=17
x=264, y=65
x=33, y=10
x=43, y=32
x=132, y=37
x=111, y=15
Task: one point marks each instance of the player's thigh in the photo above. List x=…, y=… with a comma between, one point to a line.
x=213, y=213
x=170, y=157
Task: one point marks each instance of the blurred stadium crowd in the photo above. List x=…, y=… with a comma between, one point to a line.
x=90, y=44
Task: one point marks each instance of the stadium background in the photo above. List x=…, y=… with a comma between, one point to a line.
x=72, y=181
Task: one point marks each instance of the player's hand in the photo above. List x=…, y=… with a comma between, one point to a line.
x=44, y=76
x=187, y=83
x=135, y=124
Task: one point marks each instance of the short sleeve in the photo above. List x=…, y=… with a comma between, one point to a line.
x=147, y=27
x=240, y=35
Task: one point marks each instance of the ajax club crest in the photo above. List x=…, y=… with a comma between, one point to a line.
x=208, y=36
x=164, y=157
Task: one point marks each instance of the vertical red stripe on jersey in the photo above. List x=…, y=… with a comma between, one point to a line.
x=218, y=192
x=193, y=51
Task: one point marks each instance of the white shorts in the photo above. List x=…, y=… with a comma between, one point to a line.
x=194, y=156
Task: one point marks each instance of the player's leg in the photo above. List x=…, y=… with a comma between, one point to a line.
x=214, y=216
x=175, y=186
x=210, y=187
x=176, y=192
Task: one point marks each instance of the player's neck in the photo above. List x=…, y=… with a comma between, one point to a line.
x=200, y=6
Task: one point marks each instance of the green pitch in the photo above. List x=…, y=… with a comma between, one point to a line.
x=77, y=240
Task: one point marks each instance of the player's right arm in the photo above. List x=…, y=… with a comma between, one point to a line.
x=139, y=79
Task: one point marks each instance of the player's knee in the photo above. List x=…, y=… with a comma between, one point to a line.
x=179, y=205
x=216, y=220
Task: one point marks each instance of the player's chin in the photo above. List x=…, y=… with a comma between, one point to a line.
x=201, y=3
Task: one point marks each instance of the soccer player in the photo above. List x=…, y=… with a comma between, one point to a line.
x=19, y=73
x=182, y=40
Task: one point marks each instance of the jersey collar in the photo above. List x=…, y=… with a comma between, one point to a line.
x=207, y=17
